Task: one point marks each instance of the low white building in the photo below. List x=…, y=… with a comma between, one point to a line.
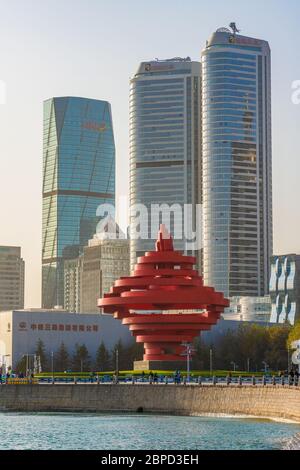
x=20, y=330
x=251, y=309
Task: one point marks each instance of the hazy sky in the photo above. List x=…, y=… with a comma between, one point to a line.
x=91, y=48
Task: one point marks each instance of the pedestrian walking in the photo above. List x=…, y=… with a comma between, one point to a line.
x=291, y=377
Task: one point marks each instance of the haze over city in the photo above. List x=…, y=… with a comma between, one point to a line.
x=91, y=49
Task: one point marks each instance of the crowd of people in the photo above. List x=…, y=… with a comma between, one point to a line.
x=293, y=376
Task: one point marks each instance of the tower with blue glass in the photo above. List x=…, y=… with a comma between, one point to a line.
x=237, y=166
x=78, y=176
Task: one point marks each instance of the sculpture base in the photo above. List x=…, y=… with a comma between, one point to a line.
x=159, y=365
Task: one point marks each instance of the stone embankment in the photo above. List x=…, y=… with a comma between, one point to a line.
x=268, y=401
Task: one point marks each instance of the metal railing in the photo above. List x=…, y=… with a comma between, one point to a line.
x=214, y=381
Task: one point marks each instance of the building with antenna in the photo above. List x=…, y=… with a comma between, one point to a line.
x=237, y=163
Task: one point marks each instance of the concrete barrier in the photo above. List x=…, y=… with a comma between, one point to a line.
x=268, y=401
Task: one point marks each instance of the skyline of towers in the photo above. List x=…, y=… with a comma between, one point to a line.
x=167, y=108
x=237, y=167
x=165, y=144
x=78, y=176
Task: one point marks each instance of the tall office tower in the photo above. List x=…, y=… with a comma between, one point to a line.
x=79, y=175
x=165, y=144
x=12, y=277
x=237, y=167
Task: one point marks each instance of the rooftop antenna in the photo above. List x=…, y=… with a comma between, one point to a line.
x=234, y=28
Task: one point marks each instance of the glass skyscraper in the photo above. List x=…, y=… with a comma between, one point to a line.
x=237, y=167
x=78, y=176
x=165, y=141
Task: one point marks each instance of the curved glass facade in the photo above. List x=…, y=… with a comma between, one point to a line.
x=165, y=142
x=285, y=288
x=237, y=193
x=79, y=175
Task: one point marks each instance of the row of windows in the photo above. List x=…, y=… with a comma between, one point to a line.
x=211, y=55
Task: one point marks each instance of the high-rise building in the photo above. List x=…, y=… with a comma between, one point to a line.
x=93, y=273
x=12, y=277
x=165, y=144
x=78, y=176
x=285, y=288
x=237, y=167
x=104, y=261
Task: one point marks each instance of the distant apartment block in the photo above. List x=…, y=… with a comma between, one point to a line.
x=93, y=273
x=12, y=278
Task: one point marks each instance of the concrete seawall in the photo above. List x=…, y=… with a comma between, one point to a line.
x=269, y=401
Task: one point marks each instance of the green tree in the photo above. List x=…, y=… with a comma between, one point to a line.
x=226, y=350
x=41, y=353
x=61, y=359
x=133, y=352
x=81, y=359
x=252, y=343
x=201, y=357
x=277, y=353
x=294, y=334
x=103, y=362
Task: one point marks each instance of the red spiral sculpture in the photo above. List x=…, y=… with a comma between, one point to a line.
x=163, y=281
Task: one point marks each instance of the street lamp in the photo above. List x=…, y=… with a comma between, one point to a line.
x=188, y=353
x=248, y=364
x=234, y=365
x=117, y=362
x=266, y=366
x=27, y=361
x=52, y=365
x=210, y=361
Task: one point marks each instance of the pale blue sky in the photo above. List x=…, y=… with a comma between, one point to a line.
x=91, y=48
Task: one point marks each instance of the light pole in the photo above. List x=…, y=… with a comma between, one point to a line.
x=27, y=361
x=248, y=364
x=234, y=365
x=266, y=366
x=117, y=362
x=27, y=364
x=210, y=361
x=52, y=365
x=188, y=353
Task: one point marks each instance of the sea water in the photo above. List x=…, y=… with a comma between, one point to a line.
x=139, y=431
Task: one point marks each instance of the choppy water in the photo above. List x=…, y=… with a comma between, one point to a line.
x=138, y=431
